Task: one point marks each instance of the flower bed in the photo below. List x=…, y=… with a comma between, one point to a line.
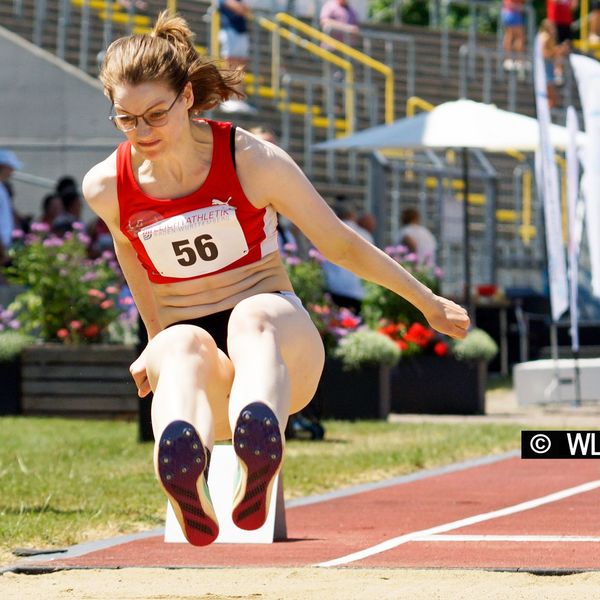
x=427, y=372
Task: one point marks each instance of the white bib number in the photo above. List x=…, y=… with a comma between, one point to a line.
x=195, y=243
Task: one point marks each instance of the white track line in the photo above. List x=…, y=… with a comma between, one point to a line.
x=509, y=510
x=508, y=538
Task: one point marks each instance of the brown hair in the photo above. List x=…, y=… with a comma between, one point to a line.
x=167, y=55
x=409, y=215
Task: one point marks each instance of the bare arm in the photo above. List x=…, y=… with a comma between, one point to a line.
x=269, y=176
x=99, y=190
x=329, y=24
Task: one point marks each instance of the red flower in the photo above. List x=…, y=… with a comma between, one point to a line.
x=390, y=330
x=441, y=349
x=62, y=334
x=91, y=331
x=349, y=322
x=401, y=344
x=419, y=335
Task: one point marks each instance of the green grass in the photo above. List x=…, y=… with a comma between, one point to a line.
x=67, y=481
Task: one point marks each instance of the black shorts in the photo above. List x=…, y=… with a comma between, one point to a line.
x=215, y=324
x=563, y=33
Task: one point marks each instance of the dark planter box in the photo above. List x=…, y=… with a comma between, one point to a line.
x=87, y=380
x=10, y=387
x=349, y=395
x=436, y=385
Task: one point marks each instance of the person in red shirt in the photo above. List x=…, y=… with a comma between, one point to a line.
x=191, y=206
x=560, y=12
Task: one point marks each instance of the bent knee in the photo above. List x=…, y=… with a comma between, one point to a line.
x=250, y=318
x=181, y=340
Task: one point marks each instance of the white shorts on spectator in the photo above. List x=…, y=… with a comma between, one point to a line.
x=221, y=480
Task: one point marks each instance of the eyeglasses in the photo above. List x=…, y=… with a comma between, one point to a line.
x=152, y=118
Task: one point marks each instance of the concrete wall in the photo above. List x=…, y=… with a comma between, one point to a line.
x=53, y=116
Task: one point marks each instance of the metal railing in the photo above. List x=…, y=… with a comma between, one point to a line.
x=279, y=32
x=477, y=10
x=350, y=53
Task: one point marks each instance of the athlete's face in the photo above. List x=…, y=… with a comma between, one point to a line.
x=154, y=114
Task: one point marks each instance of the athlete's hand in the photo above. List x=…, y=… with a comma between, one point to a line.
x=448, y=317
x=138, y=372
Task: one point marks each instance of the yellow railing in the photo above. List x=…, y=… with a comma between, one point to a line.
x=278, y=32
x=350, y=53
x=215, y=25
x=561, y=163
x=414, y=102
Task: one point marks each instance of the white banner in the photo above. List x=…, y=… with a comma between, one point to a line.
x=573, y=194
x=587, y=75
x=557, y=268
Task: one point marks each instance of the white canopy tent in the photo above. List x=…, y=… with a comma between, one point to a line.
x=461, y=124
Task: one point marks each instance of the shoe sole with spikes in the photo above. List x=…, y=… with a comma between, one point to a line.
x=258, y=445
x=183, y=470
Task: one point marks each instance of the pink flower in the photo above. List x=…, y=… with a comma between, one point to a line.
x=94, y=293
x=75, y=325
x=40, y=227
x=316, y=255
x=106, y=304
x=62, y=334
x=111, y=289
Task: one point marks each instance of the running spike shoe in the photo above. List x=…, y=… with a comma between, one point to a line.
x=183, y=473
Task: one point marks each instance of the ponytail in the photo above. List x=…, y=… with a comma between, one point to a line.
x=167, y=55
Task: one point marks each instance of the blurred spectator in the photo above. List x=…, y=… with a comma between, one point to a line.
x=287, y=232
x=234, y=42
x=340, y=21
x=66, y=184
x=560, y=12
x=137, y=4
x=594, y=36
x=416, y=237
x=346, y=288
x=366, y=221
x=72, y=207
x=513, y=21
x=21, y=222
x=550, y=51
x=100, y=238
x=52, y=206
x=8, y=163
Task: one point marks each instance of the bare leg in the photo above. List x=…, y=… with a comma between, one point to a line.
x=278, y=357
x=190, y=379
x=519, y=39
x=507, y=42
x=277, y=353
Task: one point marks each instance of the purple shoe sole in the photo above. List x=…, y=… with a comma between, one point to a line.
x=182, y=462
x=258, y=445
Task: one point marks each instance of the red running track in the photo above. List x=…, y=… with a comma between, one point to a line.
x=330, y=529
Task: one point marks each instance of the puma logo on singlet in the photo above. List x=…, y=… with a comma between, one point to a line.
x=216, y=202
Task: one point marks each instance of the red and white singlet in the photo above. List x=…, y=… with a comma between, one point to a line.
x=211, y=230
